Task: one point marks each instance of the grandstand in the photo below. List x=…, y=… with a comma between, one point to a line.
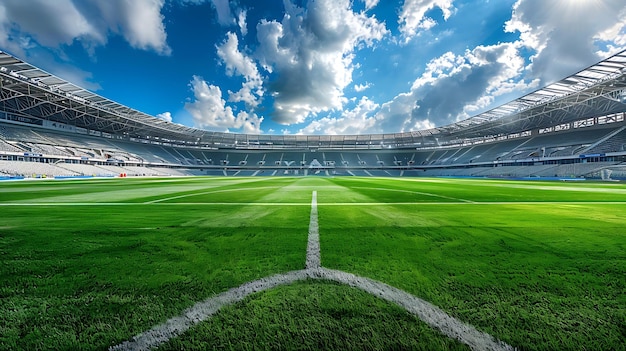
x=573, y=128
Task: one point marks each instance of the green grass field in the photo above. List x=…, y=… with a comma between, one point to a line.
x=88, y=264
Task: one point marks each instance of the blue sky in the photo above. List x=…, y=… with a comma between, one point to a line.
x=312, y=67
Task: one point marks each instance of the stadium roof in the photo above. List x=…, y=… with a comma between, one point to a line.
x=589, y=87
x=29, y=91
x=27, y=78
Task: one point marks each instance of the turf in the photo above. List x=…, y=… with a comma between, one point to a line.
x=538, y=276
x=86, y=264
x=91, y=276
x=313, y=316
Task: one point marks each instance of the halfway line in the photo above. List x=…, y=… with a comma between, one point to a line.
x=313, y=257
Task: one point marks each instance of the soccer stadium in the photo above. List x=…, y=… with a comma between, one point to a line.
x=502, y=231
x=570, y=130
x=123, y=231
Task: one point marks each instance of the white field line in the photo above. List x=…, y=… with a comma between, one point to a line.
x=577, y=203
x=204, y=310
x=552, y=187
x=208, y=192
x=427, y=312
x=26, y=204
x=474, y=203
x=313, y=257
x=415, y=192
x=535, y=185
x=406, y=179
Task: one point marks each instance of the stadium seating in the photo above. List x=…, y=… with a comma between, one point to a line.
x=37, y=152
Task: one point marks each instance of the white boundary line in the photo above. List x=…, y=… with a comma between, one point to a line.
x=154, y=204
x=414, y=192
x=427, y=312
x=26, y=204
x=204, y=310
x=313, y=256
x=207, y=192
x=424, y=310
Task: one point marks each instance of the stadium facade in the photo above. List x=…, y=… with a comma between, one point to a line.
x=572, y=129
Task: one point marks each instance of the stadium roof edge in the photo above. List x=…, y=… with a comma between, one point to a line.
x=22, y=70
x=608, y=69
x=574, y=83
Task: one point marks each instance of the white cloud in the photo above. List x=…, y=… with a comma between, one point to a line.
x=239, y=64
x=49, y=22
x=413, y=15
x=241, y=22
x=568, y=35
x=370, y=4
x=236, y=62
x=142, y=24
x=224, y=16
x=54, y=23
x=565, y=36
x=614, y=37
x=396, y=115
x=166, y=116
x=310, y=54
x=209, y=110
x=362, y=87
x=356, y=121
x=454, y=87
